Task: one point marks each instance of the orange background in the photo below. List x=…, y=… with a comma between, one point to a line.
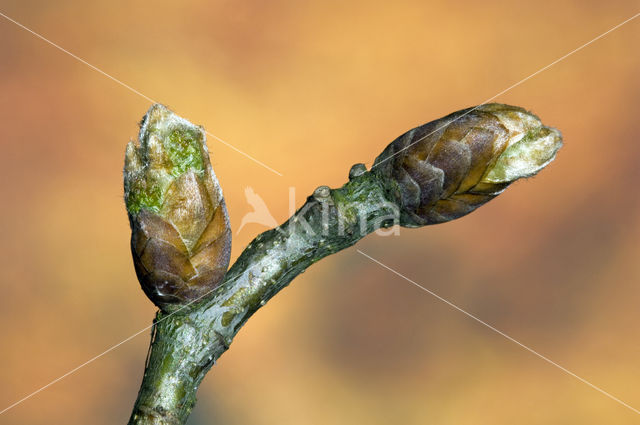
x=311, y=88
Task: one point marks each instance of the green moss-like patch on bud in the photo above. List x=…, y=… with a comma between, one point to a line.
x=150, y=198
x=183, y=149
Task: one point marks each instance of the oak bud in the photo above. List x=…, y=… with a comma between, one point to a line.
x=181, y=239
x=449, y=167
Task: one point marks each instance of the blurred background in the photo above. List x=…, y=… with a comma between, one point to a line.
x=310, y=88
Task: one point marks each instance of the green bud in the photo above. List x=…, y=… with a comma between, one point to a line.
x=447, y=168
x=181, y=238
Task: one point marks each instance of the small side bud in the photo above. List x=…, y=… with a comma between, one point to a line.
x=357, y=170
x=321, y=193
x=449, y=167
x=181, y=238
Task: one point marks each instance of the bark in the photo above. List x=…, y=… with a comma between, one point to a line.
x=185, y=344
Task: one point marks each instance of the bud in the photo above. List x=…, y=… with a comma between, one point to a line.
x=180, y=238
x=449, y=167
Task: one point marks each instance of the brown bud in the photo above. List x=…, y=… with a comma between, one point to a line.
x=447, y=168
x=181, y=238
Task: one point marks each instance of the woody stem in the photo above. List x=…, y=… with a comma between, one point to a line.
x=188, y=342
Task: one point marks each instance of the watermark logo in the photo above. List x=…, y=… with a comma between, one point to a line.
x=260, y=214
x=385, y=222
